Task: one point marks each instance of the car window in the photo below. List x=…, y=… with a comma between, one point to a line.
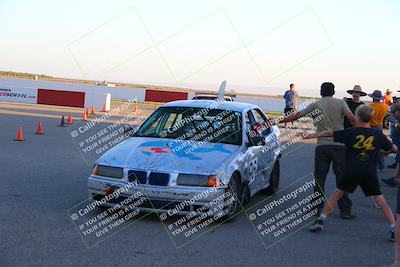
x=197, y=124
x=172, y=119
x=259, y=116
x=153, y=123
x=251, y=125
x=249, y=121
x=261, y=119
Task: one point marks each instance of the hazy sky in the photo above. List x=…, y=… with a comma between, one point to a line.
x=257, y=46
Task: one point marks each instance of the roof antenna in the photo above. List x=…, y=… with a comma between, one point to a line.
x=221, y=91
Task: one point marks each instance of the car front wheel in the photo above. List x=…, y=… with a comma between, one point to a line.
x=274, y=179
x=231, y=201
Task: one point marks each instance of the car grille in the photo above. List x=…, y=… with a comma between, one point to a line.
x=155, y=178
x=137, y=176
x=158, y=178
x=108, y=171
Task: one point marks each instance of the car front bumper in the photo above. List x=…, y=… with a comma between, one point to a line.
x=173, y=200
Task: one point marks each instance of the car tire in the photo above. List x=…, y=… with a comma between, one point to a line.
x=274, y=179
x=245, y=194
x=236, y=190
x=98, y=197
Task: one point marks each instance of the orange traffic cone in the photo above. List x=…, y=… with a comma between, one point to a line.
x=69, y=121
x=62, y=123
x=85, y=116
x=104, y=108
x=87, y=112
x=92, y=112
x=39, y=128
x=20, y=135
x=135, y=109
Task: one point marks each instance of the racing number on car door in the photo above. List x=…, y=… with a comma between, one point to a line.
x=254, y=160
x=253, y=169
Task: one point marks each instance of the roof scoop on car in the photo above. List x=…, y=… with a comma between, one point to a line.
x=221, y=91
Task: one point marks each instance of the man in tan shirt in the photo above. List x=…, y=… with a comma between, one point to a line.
x=327, y=151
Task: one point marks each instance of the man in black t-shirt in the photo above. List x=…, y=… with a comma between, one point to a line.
x=354, y=102
x=363, y=145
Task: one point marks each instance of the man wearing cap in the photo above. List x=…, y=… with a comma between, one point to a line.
x=354, y=102
x=388, y=100
x=333, y=111
x=380, y=112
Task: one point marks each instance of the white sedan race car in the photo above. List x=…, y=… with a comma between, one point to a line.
x=190, y=156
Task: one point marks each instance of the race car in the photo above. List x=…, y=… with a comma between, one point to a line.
x=191, y=148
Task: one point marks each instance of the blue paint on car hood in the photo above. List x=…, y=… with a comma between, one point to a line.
x=167, y=155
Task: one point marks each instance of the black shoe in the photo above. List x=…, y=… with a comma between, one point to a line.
x=347, y=216
x=392, y=166
x=390, y=182
x=391, y=235
x=317, y=226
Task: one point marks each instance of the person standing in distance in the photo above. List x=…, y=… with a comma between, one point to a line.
x=388, y=100
x=380, y=112
x=353, y=102
x=291, y=100
x=395, y=135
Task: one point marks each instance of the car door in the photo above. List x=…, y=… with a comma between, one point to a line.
x=265, y=155
x=253, y=164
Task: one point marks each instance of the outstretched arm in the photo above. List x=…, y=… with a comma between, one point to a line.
x=293, y=117
x=320, y=134
x=301, y=113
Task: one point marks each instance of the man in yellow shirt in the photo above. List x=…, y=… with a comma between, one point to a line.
x=380, y=112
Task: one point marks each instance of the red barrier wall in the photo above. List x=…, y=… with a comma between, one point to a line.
x=61, y=98
x=164, y=96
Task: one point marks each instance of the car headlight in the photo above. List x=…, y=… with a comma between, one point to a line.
x=108, y=171
x=213, y=181
x=95, y=171
x=198, y=180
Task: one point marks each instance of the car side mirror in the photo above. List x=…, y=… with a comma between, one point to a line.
x=256, y=141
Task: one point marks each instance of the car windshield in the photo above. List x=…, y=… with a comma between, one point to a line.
x=197, y=124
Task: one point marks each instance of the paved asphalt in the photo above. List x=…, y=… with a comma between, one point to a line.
x=44, y=176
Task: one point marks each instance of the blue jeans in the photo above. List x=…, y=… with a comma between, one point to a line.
x=395, y=135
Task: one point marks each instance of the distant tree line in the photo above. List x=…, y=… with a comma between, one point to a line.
x=23, y=75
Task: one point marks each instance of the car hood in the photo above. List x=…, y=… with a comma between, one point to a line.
x=167, y=155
